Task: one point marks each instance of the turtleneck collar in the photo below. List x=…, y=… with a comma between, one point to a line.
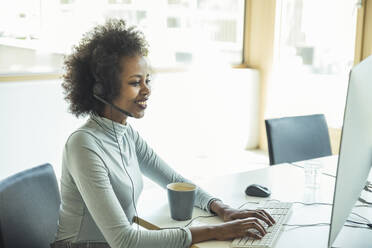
x=110, y=126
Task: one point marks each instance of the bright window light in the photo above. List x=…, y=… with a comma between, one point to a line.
x=35, y=34
x=314, y=52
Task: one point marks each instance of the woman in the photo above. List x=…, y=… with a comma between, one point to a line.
x=107, y=77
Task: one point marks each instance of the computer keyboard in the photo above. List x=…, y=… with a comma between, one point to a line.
x=280, y=211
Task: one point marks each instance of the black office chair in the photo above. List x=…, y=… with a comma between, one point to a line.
x=29, y=204
x=297, y=138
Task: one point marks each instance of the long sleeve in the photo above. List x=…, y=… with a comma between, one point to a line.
x=87, y=164
x=156, y=169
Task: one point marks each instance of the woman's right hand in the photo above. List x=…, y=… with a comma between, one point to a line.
x=248, y=227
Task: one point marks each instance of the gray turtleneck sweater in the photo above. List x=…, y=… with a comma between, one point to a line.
x=96, y=191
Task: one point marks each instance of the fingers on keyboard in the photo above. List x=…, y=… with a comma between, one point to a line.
x=262, y=215
x=255, y=224
x=254, y=234
x=268, y=215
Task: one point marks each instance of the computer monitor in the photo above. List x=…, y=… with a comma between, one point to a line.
x=355, y=158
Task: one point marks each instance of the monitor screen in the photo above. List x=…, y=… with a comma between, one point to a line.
x=355, y=158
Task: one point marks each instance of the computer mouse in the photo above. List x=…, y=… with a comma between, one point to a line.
x=257, y=190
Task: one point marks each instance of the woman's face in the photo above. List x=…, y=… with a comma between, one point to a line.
x=135, y=88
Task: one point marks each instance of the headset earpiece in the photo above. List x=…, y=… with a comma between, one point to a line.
x=98, y=89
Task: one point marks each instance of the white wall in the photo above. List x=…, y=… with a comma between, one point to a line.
x=195, y=119
x=34, y=125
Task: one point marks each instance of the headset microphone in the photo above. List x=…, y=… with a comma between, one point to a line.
x=112, y=105
x=97, y=90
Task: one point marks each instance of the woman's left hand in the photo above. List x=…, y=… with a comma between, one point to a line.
x=234, y=214
x=228, y=214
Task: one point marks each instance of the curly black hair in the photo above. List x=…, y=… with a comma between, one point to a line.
x=97, y=59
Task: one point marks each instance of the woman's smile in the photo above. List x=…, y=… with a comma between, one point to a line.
x=142, y=103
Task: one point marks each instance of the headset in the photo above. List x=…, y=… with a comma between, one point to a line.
x=98, y=92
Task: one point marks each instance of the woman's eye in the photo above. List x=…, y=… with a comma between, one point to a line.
x=148, y=81
x=135, y=83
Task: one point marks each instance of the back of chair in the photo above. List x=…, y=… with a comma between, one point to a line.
x=297, y=138
x=29, y=205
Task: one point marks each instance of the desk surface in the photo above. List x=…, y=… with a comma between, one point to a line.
x=287, y=184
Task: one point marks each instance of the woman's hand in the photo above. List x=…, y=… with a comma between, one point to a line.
x=228, y=214
x=238, y=223
x=234, y=214
x=248, y=227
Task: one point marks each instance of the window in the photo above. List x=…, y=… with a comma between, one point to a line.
x=35, y=34
x=314, y=52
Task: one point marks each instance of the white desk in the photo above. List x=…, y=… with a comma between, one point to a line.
x=287, y=184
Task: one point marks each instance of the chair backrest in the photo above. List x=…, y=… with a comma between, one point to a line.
x=297, y=138
x=29, y=205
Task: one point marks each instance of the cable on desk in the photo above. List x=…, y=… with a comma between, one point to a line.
x=364, y=218
x=327, y=174
x=363, y=206
x=314, y=203
x=296, y=165
x=330, y=204
x=189, y=223
x=247, y=203
x=364, y=201
x=368, y=226
x=305, y=203
x=368, y=188
x=307, y=225
x=202, y=216
x=356, y=222
x=296, y=202
x=366, y=205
